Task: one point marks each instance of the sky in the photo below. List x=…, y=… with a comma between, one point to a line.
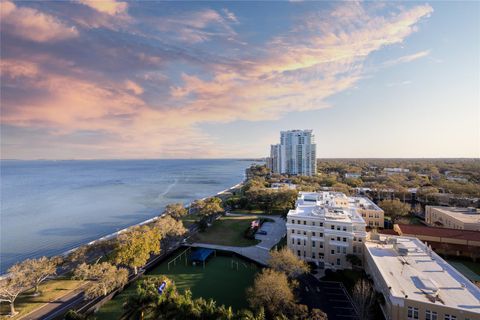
x=91, y=79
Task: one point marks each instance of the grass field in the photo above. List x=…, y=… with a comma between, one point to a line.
x=51, y=290
x=227, y=231
x=245, y=211
x=218, y=281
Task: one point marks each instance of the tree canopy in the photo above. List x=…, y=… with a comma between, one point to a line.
x=285, y=261
x=104, y=278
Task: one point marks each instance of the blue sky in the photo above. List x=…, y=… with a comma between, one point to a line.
x=117, y=79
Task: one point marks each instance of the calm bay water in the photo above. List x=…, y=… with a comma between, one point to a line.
x=49, y=207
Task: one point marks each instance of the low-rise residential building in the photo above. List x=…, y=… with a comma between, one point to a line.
x=452, y=242
x=283, y=185
x=453, y=217
x=416, y=283
x=390, y=171
x=352, y=175
x=324, y=229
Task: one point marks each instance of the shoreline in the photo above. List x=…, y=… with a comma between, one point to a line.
x=116, y=233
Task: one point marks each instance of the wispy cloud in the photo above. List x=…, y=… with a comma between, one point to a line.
x=111, y=7
x=149, y=97
x=407, y=58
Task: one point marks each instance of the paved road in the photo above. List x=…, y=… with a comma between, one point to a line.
x=58, y=306
x=261, y=252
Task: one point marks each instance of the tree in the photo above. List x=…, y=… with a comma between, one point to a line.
x=168, y=226
x=13, y=285
x=104, y=278
x=175, y=210
x=394, y=208
x=285, y=261
x=364, y=298
x=134, y=247
x=354, y=259
x=272, y=291
x=146, y=297
x=37, y=270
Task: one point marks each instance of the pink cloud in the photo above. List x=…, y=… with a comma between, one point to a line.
x=34, y=25
x=294, y=72
x=111, y=7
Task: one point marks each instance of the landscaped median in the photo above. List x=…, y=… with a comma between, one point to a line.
x=50, y=291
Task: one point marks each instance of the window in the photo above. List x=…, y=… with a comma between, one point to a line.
x=338, y=238
x=321, y=224
x=313, y=223
x=321, y=235
x=293, y=241
x=298, y=253
x=359, y=240
x=304, y=254
x=344, y=228
x=338, y=228
x=298, y=231
x=313, y=244
x=333, y=251
x=332, y=227
x=313, y=255
x=298, y=241
x=344, y=239
x=304, y=233
x=338, y=262
x=304, y=242
x=412, y=313
x=344, y=250
x=293, y=231
x=321, y=245
x=313, y=234
x=293, y=221
x=430, y=315
x=298, y=221
x=304, y=222
x=450, y=317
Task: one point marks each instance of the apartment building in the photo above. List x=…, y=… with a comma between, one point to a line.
x=453, y=217
x=323, y=229
x=416, y=283
x=296, y=153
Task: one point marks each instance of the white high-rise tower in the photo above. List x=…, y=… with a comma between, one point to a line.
x=296, y=153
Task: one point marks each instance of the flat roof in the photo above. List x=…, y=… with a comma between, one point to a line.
x=421, y=274
x=468, y=215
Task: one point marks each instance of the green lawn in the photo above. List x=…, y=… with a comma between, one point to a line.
x=218, y=281
x=245, y=211
x=51, y=290
x=228, y=231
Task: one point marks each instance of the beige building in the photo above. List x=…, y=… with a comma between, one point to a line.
x=416, y=283
x=323, y=229
x=453, y=217
x=371, y=213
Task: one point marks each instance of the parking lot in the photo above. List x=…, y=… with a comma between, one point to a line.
x=330, y=297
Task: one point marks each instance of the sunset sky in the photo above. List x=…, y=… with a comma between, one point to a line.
x=103, y=79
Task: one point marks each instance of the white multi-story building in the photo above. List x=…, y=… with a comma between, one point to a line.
x=296, y=154
x=416, y=283
x=324, y=229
